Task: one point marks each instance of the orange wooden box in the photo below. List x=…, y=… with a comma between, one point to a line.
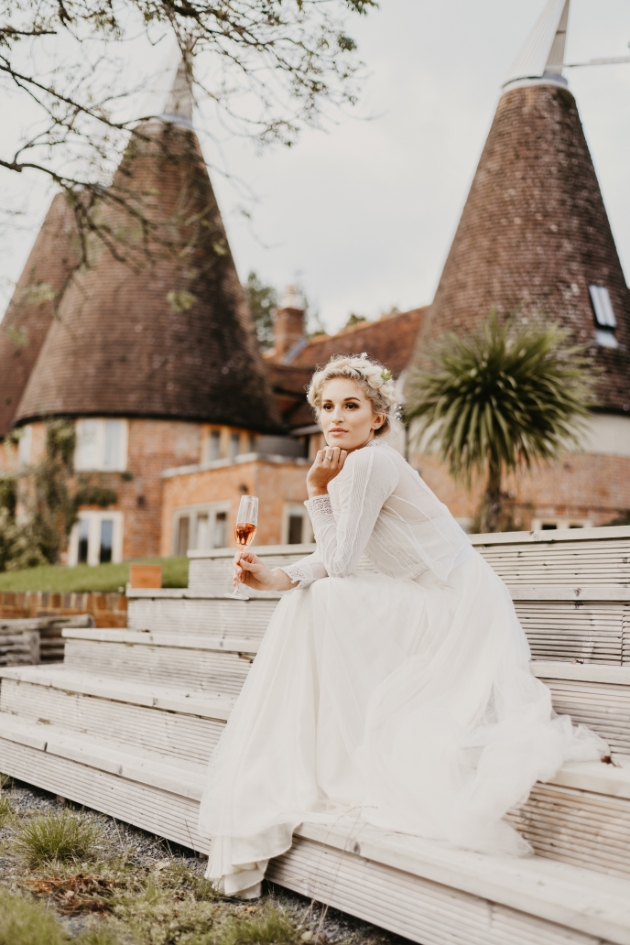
x=145, y=575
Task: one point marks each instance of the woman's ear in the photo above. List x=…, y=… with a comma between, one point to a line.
x=379, y=420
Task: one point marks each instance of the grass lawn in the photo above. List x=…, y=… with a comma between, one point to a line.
x=85, y=577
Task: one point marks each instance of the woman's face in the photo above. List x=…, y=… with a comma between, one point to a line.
x=346, y=416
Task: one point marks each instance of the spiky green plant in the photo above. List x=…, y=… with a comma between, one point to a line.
x=63, y=836
x=500, y=397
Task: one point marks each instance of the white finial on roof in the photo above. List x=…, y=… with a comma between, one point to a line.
x=540, y=60
x=179, y=104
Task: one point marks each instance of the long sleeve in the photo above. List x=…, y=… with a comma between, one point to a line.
x=367, y=480
x=306, y=570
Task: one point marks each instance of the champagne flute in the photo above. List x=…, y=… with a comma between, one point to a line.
x=244, y=531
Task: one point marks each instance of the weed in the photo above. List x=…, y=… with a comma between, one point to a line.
x=75, y=894
x=23, y=922
x=5, y=781
x=5, y=810
x=58, y=836
x=97, y=936
x=270, y=926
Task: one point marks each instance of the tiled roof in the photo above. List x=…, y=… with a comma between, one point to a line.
x=173, y=338
x=534, y=234
x=31, y=310
x=389, y=340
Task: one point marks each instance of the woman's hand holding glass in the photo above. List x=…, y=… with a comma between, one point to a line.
x=250, y=570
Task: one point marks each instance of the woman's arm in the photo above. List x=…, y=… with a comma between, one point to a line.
x=369, y=478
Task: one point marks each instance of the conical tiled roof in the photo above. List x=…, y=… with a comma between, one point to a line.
x=534, y=234
x=172, y=337
x=31, y=310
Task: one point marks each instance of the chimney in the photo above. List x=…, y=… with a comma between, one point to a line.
x=289, y=330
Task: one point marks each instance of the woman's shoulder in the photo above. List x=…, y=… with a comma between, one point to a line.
x=377, y=456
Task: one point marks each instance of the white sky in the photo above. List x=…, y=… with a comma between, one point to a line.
x=364, y=213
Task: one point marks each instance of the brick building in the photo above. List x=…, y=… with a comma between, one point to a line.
x=177, y=411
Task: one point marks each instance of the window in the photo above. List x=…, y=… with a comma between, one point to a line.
x=213, y=447
x=252, y=443
x=112, y=452
x=605, y=320
x=84, y=538
x=297, y=526
x=101, y=444
x=183, y=535
x=106, y=550
x=234, y=446
x=200, y=527
x=220, y=531
x=25, y=445
x=96, y=538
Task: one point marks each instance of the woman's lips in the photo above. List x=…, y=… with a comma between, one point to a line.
x=337, y=432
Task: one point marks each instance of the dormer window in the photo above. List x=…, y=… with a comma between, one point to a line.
x=605, y=320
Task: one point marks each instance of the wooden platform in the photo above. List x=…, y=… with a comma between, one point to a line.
x=127, y=723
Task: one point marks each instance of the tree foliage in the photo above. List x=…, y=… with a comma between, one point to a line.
x=263, y=302
x=269, y=68
x=39, y=505
x=500, y=397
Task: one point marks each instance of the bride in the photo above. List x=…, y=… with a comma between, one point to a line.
x=393, y=682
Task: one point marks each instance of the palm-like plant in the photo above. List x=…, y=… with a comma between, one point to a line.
x=500, y=397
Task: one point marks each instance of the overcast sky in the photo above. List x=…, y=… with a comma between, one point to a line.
x=363, y=214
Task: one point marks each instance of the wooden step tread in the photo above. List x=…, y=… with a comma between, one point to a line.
x=185, y=778
x=568, y=895
x=182, y=701
x=582, y=672
x=185, y=593
x=183, y=641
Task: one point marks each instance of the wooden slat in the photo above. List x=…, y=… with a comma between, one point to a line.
x=207, y=671
x=178, y=735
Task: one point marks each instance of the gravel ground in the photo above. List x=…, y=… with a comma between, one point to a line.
x=148, y=855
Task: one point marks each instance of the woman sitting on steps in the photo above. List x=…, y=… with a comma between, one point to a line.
x=397, y=694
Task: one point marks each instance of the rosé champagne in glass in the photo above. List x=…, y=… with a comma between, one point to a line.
x=244, y=532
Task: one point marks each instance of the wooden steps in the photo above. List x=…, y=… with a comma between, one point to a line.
x=197, y=661
x=171, y=610
x=424, y=891
x=126, y=725
x=184, y=724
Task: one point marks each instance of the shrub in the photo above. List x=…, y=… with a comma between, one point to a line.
x=64, y=836
x=24, y=922
x=271, y=926
x=5, y=810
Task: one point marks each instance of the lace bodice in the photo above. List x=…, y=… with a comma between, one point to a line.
x=379, y=506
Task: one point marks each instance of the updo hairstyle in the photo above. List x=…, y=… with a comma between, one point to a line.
x=373, y=379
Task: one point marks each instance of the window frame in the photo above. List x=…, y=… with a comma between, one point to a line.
x=604, y=316
x=293, y=510
x=101, y=427
x=94, y=519
x=193, y=512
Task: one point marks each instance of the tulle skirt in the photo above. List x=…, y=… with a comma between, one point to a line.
x=408, y=704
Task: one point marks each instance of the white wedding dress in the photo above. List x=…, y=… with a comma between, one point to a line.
x=399, y=691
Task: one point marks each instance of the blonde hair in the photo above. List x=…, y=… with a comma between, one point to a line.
x=373, y=379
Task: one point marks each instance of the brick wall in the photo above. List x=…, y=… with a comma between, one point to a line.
x=276, y=484
x=579, y=486
x=108, y=610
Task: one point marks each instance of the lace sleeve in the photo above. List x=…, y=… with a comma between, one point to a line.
x=366, y=481
x=304, y=572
